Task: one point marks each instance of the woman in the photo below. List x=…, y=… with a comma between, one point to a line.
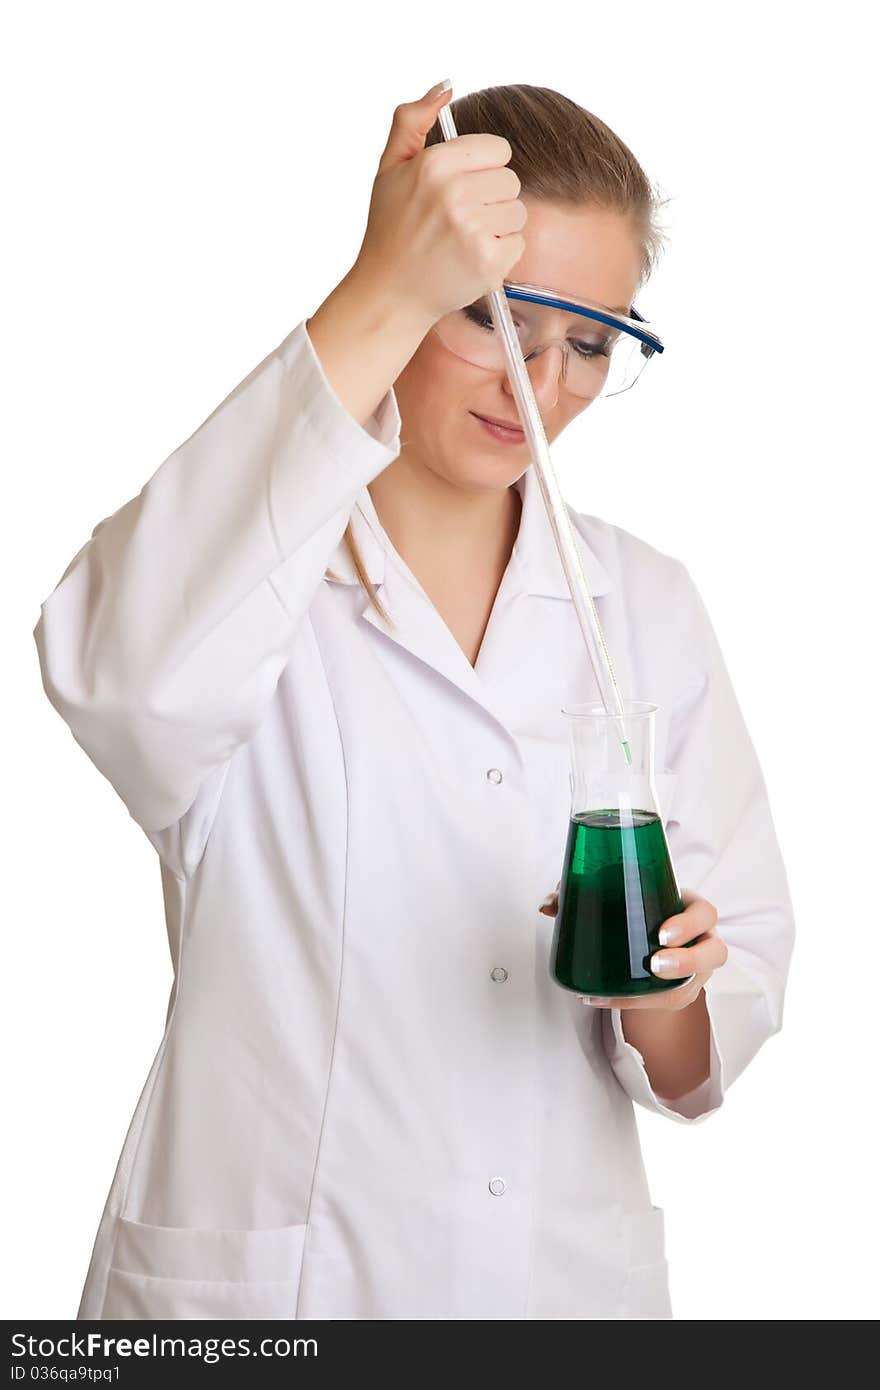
x=322, y=657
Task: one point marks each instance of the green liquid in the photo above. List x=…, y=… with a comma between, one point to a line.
x=617, y=890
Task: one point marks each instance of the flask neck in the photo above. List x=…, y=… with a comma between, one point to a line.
x=600, y=777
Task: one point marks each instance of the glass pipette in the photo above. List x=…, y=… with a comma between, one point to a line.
x=554, y=502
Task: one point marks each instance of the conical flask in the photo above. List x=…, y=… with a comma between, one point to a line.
x=617, y=885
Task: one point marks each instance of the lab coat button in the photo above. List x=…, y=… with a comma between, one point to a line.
x=497, y=1186
x=494, y=775
x=499, y=973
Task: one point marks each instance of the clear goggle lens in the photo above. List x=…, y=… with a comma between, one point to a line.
x=599, y=358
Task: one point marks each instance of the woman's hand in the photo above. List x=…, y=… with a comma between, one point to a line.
x=445, y=220
x=690, y=944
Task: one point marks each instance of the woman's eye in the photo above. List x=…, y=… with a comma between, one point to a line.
x=483, y=319
x=600, y=349
x=478, y=316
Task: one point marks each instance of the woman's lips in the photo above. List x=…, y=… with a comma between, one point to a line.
x=500, y=432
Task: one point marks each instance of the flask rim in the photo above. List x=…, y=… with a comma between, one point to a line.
x=594, y=709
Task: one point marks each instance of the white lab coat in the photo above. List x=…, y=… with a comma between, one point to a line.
x=370, y=1099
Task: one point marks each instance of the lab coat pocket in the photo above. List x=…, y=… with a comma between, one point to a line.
x=189, y=1272
x=646, y=1294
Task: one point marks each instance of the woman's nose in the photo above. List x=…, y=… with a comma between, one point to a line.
x=545, y=371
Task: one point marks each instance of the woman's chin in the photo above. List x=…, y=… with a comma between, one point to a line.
x=487, y=475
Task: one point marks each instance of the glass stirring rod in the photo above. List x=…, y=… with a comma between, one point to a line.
x=554, y=502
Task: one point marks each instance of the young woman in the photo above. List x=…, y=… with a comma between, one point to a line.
x=322, y=657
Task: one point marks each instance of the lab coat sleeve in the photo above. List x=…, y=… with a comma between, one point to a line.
x=724, y=847
x=163, y=641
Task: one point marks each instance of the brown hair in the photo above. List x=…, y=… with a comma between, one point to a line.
x=560, y=153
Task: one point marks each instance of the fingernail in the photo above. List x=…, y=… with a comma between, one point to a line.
x=548, y=901
x=440, y=87
x=593, y=999
x=659, y=963
x=664, y=936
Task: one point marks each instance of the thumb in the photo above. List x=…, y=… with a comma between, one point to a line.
x=411, y=123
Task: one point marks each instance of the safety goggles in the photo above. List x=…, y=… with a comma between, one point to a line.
x=602, y=356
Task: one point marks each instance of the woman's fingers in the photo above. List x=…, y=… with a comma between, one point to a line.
x=699, y=916
x=708, y=952
x=550, y=905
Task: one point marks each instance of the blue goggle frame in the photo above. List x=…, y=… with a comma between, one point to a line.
x=633, y=324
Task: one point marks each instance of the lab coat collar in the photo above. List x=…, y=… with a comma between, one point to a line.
x=537, y=553
x=417, y=626
x=536, y=559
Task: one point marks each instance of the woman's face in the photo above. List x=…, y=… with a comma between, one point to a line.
x=587, y=251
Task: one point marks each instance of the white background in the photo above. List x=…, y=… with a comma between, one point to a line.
x=185, y=182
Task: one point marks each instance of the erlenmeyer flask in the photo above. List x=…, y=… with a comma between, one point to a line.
x=617, y=885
